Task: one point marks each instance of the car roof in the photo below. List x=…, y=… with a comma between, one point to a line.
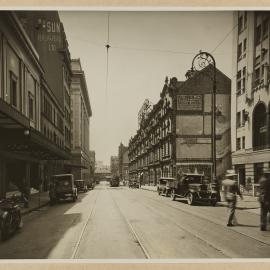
x=166, y=178
x=193, y=174
x=79, y=180
x=59, y=175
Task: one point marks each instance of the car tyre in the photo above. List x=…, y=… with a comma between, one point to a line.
x=190, y=198
x=213, y=203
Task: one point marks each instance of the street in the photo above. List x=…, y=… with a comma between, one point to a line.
x=123, y=223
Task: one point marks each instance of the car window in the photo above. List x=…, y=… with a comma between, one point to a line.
x=195, y=179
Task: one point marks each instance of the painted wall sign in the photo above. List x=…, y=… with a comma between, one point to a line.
x=189, y=102
x=50, y=33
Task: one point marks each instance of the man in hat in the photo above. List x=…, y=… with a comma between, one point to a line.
x=264, y=198
x=231, y=191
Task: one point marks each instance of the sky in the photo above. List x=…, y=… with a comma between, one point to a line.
x=145, y=48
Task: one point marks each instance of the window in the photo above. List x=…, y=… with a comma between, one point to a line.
x=257, y=76
x=239, y=87
x=238, y=119
x=245, y=19
x=243, y=142
x=31, y=106
x=257, y=60
x=13, y=90
x=239, y=51
x=265, y=28
x=243, y=117
x=240, y=24
x=245, y=45
x=238, y=143
x=258, y=34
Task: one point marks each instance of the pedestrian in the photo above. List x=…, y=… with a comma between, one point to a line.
x=231, y=190
x=264, y=198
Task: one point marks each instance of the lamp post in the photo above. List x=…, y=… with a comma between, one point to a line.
x=199, y=62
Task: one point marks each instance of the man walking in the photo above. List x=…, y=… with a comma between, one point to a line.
x=264, y=198
x=231, y=191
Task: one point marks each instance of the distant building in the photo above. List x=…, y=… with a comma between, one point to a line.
x=175, y=135
x=92, y=164
x=123, y=162
x=80, y=122
x=251, y=96
x=114, y=165
x=101, y=171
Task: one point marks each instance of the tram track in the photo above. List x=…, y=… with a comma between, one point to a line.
x=208, y=220
x=132, y=230
x=77, y=245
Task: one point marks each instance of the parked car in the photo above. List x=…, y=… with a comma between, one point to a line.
x=133, y=184
x=81, y=185
x=62, y=186
x=194, y=188
x=164, y=185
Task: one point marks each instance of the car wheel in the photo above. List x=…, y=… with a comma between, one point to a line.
x=190, y=198
x=74, y=198
x=213, y=203
x=173, y=195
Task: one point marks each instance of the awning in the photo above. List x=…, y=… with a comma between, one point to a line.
x=31, y=142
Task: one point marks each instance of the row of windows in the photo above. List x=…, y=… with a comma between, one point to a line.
x=52, y=115
x=241, y=50
x=241, y=81
x=67, y=135
x=261, y=32
x=51, y=135
x=242, y=22
x=241, y=118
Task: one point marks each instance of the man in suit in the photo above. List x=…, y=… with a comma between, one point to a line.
x=264, y=198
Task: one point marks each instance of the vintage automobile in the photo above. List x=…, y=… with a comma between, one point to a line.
x=165, y=185
x=81, y=185
x=62, y=186
x=115, y=181
x=194, y=188
x=133, y=184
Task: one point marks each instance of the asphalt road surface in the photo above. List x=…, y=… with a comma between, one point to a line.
x=123, y=223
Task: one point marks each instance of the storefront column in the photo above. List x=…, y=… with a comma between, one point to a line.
x=26, y=182
x=2, y=178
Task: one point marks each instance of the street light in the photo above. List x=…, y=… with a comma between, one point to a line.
x=199, y=62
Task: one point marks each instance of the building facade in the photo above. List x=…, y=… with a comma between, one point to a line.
x=250, y=105
x=23, y=148
x=81, y=113
x=174, y=136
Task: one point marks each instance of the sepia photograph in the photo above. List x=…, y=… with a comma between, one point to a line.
x=134, y=135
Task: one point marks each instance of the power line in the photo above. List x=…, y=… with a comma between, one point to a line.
x=225, y=37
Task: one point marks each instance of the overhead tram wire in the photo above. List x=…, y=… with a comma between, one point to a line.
x=107, y=59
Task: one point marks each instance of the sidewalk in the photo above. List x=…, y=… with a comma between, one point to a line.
x=37, y=201
x=248, y=204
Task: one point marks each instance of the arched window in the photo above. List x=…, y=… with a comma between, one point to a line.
x=259, y=126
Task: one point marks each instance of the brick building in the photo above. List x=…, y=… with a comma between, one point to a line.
x=175, y=134
x=123, y=162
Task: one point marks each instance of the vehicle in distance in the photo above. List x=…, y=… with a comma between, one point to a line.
x=165, y=185
x=115, y=181
x=81, y=185
x=62, y=186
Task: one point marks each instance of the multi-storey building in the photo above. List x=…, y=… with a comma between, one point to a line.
x=23, y=147
x=47, y=34
x=81, y=113
x=250, y=105
x=175, y=135
x=123, y=162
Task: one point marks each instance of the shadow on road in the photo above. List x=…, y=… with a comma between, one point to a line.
x=42, y=231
